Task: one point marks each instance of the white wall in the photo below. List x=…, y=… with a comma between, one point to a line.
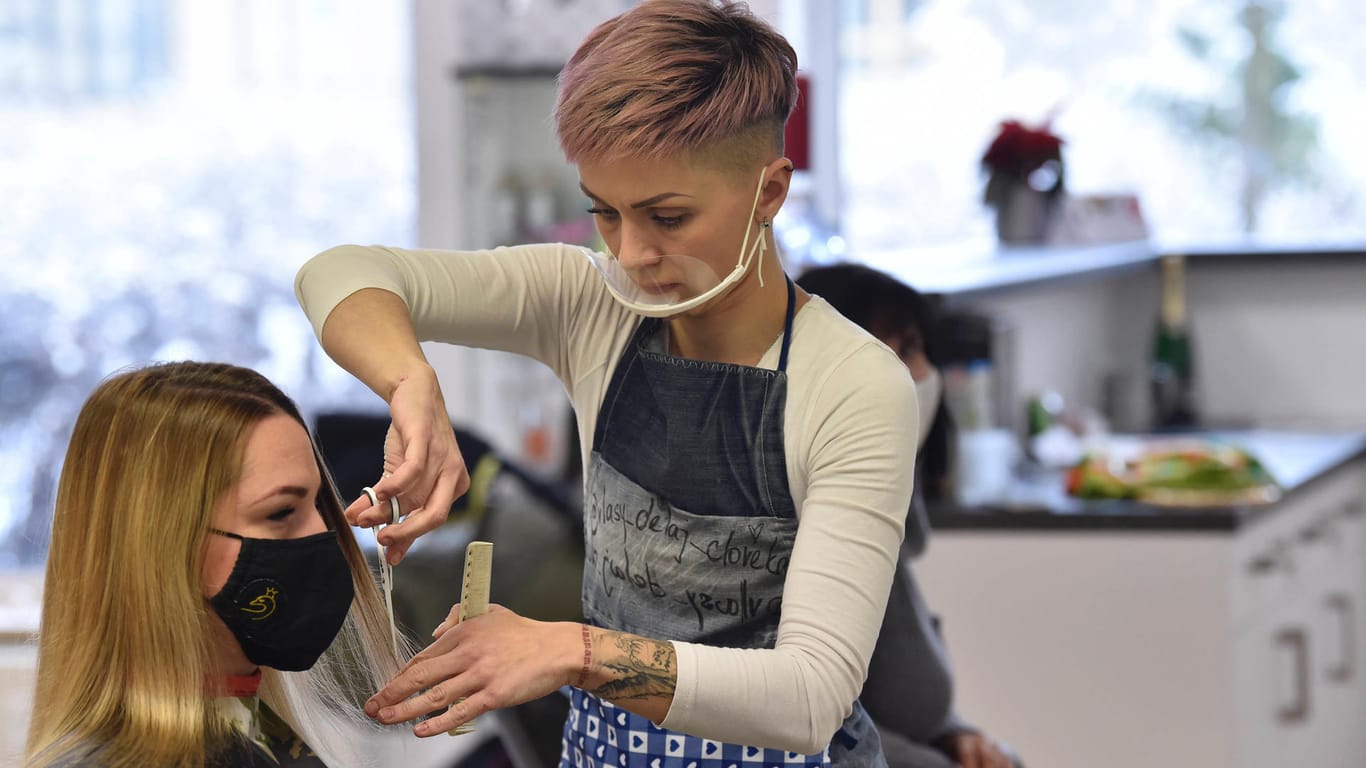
x=1276, y=343
x=1285, y=341
x=18, y=666
x=1064, y=335
x=21, y=597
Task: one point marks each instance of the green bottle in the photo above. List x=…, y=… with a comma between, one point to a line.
x=1172, y=374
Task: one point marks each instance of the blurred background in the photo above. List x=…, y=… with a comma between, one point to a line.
x=167, y=165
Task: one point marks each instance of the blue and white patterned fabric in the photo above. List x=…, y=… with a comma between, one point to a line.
x=598, y=734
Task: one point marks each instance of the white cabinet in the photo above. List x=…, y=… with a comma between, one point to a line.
x=1305, y=565
x=1336, y=606
x=1245, y=648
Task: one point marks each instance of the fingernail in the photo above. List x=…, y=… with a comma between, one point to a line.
x=371, y=707
x=386, y=714
x=422, y=729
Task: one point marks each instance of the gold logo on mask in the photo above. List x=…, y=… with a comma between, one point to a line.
x=263, y=605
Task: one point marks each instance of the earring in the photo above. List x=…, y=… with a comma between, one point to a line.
x=765, y=224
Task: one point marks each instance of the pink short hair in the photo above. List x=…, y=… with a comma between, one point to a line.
x=671, y=77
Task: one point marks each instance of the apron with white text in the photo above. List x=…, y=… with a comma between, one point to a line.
x=689, y=526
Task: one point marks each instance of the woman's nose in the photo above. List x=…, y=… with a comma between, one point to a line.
x=635, y=251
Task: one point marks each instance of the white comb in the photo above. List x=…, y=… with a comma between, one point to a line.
x=474, y=594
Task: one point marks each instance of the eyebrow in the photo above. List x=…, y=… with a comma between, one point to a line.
x=643, y=203
x=285, y=490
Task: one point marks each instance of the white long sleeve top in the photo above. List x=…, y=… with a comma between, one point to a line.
x=849, y=435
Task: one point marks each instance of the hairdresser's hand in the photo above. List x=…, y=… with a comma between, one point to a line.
x=422, y=466
x=975, y=750
x=491, y=661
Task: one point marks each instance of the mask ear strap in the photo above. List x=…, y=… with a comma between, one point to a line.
x=760, y=241
x=763, y=247
x=225, y=533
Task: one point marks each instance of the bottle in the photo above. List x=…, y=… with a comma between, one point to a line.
x=968, y=394
x=1172, y=374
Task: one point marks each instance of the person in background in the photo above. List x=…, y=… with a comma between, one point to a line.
x=747, y=473
x=205, y=602
x=909, y=691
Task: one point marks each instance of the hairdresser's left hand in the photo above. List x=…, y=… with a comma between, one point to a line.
x=491, y=661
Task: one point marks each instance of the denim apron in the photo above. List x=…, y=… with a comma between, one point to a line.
x=689, y=525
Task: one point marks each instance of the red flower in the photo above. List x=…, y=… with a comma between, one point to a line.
x=1016, y=156
x=1019, y=150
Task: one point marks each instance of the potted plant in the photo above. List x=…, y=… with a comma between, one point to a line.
x=1024, y=180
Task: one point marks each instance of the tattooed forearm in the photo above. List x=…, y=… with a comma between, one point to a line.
x=634, y=667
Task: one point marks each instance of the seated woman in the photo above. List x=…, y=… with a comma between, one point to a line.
x=199, y=557
x=909, y=690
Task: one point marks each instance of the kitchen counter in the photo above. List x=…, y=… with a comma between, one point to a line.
x=1037, y=500
x=968, y=269
x=961, y=270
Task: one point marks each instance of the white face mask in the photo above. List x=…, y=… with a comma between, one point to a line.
x=927, y=391
x=654, y=290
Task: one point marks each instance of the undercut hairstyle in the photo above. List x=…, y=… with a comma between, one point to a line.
x=677, y=77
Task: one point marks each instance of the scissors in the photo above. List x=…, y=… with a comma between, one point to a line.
x=386, y=571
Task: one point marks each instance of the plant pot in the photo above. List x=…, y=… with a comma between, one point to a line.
x=1023, y=216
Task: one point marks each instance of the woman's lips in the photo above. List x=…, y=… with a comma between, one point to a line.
x=656, y=289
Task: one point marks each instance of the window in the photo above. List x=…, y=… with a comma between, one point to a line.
x=1224, y=116
x=167, y=165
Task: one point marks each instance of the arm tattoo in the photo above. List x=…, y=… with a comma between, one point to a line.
x=638, y=668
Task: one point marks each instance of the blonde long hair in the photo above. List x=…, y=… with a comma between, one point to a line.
x=123, y=652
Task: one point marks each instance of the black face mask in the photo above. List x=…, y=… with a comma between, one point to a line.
x=286, y=599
